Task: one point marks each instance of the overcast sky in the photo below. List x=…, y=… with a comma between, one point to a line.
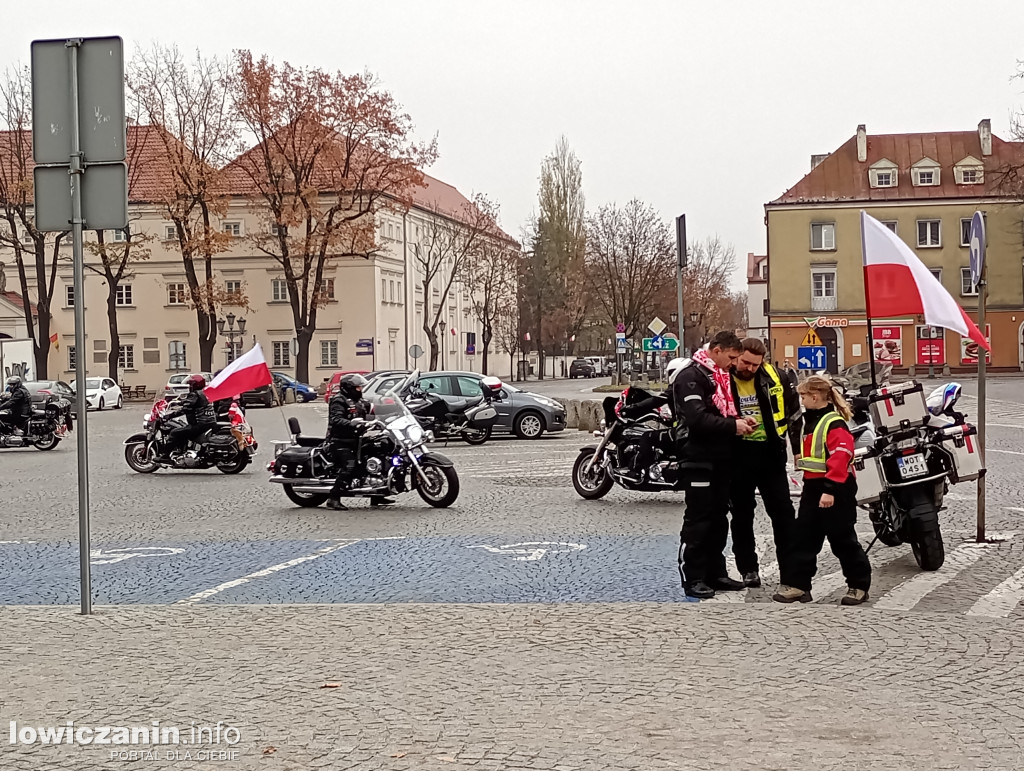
x=707, y=108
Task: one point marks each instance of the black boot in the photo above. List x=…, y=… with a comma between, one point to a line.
x=336, y=504
x=380, y=500
x=726, y=584
x=699, y=590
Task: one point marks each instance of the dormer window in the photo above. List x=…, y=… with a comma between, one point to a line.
x=883, y=173
x=969, y=171
x=925, y=173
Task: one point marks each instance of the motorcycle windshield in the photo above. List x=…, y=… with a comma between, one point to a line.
x=391, y=407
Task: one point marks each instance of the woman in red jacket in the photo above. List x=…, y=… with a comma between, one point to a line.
x=828, y=505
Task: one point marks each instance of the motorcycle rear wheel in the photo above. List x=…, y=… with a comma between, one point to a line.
x=48, y=442
x=929, y=550
x=594, y=485
x=138, y=458
x=236, y=466
x=306, y=500
x=476, y=436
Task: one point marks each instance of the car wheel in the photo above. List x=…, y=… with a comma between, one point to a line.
x=528, y=425
x=268, y=401
x=120, y=402
x=101, y=404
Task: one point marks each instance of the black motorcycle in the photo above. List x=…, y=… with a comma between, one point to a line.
x=391, y=458
x=637, y=449
x=229, y=444
x=46, y=427
x=471, y=420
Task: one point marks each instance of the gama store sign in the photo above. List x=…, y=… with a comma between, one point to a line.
x=820, y=322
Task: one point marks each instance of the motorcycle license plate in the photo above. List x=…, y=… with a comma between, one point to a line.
x=912, y=466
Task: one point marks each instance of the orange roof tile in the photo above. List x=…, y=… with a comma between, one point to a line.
x=18, y=301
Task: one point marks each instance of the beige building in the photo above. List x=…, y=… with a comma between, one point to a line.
x=378, y=299
x=926, y=188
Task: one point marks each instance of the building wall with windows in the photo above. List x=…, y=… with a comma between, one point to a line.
x=925, y=187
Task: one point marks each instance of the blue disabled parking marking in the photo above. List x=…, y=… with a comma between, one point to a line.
x=449, y=569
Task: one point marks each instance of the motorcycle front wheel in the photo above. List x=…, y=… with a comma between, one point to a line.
x=48, y=442
x=306, y=500
x=441, y=488
x=476, y=436
x=140, y=459
x=594, y=485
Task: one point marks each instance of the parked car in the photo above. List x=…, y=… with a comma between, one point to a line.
x=263, y=395
x=525, y=414
x=176, y=385
x=102, y=392
x=332, y=386
x=42, y=389
x=602, y=364
x=303, y=392
x=582, y=368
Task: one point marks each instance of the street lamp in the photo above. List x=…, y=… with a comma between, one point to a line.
x=232, y=348
x=442, y=326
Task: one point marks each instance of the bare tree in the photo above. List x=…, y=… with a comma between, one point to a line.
x=630, y=252
x=331, y=150
x=706, y=286
x=508, y=331
x=37, y=275
x=451, y=243
x=188, y=102
x=491, y=276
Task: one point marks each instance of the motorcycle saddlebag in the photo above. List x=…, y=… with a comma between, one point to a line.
x=898, y=407
x=870, y=477
x=294, y=463
x=962, y=443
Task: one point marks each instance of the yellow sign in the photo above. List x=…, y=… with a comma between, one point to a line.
x=811, y=338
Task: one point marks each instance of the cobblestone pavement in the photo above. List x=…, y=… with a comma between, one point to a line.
x=558, y=687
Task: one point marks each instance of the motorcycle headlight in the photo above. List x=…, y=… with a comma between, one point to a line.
x=415, y=433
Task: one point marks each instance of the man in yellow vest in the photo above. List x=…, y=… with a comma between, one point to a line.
x=766, y=394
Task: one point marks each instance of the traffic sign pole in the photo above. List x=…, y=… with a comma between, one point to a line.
x=979, y=271
x=680, y=264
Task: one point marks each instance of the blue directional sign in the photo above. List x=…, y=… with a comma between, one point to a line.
x=811, y=357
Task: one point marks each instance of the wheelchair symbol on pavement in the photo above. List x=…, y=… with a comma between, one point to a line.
x=110, y=556
x=532, y=550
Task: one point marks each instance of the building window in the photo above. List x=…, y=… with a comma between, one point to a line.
x=170, y=233
x=279, y=290
x=764, y=307
x=282, y=353
x=117, y=236
x=823, y=236
x=391, y=231
x=176, y=355
x=970, y=176
x=937, y=272
x=233, y=289
x=126, y=357
x=176, y=294
x=401, y=295
x=383, y=290
x=233, y=229
x=327, y=289
x=928, y=233
x=927, y=176
x=328, y=353
x=965, y=232
x=885, y=179
x=967, y=287
x=72, y=359
x=823, y=289
x=891, y=224
x=123, y=295
x=69, y=296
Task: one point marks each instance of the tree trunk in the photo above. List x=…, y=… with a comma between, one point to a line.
x=207, y=339
x=115, y=337
x=304, y=339
x=485, y=336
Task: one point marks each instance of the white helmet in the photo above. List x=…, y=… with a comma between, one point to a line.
x=674, y=367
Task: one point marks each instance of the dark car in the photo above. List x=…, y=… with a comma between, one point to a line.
x=582, y=368
x=41, y=390
x=525, y=414
x=266, y=395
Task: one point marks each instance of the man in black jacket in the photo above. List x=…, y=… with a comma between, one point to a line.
x=701, y=395
x=765, y=394
x=197, y=410
x=16, y=402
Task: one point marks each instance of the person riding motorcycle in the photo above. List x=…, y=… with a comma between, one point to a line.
x=15, y=405
x=199, y=412
x=348, y=409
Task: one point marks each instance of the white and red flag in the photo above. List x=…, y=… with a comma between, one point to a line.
x=897, y=283
x=245, y=373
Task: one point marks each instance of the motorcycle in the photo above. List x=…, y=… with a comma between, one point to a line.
x=229, y=444
x=391, y=458
x=636, y=431
x=908, y=451
x=46, y=427
x=471, y=420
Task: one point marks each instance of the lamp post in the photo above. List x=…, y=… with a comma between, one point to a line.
x=442, y=326
x=231, y=334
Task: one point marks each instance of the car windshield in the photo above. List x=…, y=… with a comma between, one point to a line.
x=93, y=383
x=177, y=379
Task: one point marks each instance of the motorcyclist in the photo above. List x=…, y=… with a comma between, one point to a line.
x=345, y=422
x=15, y=405
x=199, y=412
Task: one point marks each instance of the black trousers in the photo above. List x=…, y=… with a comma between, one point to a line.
x=705, y=526
x=814, y=524
x=761, y=466
x=344, y=459
x=179, y=437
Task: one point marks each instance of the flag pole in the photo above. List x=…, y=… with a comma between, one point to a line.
x=867, y=305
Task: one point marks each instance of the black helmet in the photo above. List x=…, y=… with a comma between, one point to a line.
x=352, y=385
x=13, y=381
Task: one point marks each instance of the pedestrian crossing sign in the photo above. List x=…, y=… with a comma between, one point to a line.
x=811, y=338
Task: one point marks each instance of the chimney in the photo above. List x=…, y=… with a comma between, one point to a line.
x=862, y=143
x=816, y=159
x=985, y=135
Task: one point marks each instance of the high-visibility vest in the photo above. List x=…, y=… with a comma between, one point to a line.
x=776, y=395
x=817, y=461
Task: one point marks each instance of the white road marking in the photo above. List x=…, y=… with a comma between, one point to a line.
x=1000, y=602
x=110, y=556
x=822, y=587
x=207, y=593
x=1004, y=452
x=534, y=551
x=908, y=594
x=3, y=542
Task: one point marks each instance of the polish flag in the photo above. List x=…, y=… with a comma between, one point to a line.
x=245, y=373
x=897, y=283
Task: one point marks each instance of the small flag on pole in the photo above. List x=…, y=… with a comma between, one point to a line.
x=54, y=341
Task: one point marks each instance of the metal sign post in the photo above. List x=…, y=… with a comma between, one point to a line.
x=978, y=271
x=680, y=264
x=79, y=83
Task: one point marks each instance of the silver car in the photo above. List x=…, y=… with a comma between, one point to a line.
x=525, y=414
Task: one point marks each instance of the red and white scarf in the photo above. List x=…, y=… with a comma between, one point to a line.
x=723, y=384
